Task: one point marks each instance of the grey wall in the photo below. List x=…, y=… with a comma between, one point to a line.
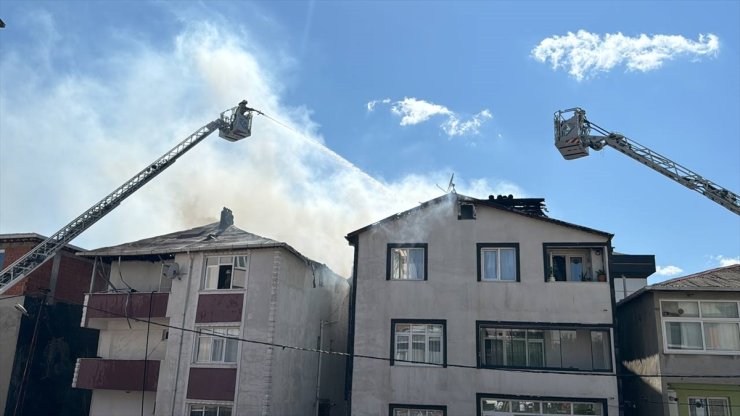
x=10, y=323
x=453, y=293
x=643, y=352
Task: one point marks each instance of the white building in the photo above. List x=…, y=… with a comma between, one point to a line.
x=189, y=324
x=483, y=307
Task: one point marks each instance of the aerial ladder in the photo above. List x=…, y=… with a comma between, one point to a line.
x=233, y=125
x=573, y=139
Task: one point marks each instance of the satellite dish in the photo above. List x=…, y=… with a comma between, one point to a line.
x=171, y=270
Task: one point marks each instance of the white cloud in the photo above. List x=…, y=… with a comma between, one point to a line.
x=723, y=261
x=414, y=111
x=371, y=105
x=91, y=131
x=586, y=54
x=454, y=127
x=667, y=270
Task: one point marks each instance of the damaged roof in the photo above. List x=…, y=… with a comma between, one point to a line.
x=209, y=237
x=721, y=279
x=531, y=207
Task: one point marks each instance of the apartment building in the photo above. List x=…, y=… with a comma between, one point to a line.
x=40, y=333
x=204, y=321
x=680, y=346
x=466, y=306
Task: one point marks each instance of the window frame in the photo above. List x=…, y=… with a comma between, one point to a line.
x=217, y=404
x=479, y=397
x=442, y=322
x=664, y=320
x=609, y=329
x=388, y=260
x=234, y=257
x=196, y=345
x=597, y=247
x=481, y=247
x=403, y=406
x=726, y=400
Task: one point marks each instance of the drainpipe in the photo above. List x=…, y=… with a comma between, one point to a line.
x=182, y=333
x=318, y=370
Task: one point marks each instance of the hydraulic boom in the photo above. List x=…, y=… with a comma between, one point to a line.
x=573, y=139
x=233, y=124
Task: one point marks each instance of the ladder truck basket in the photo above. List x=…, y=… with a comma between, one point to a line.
x=570, y=133
x=239, y=128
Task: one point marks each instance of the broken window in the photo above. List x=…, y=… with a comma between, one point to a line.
x=225, y=272
x=407, y=262
x=467, y=212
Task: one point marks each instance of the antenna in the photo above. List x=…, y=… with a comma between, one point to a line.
x=450, y=186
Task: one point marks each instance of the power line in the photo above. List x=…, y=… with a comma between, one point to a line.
x=386, y=359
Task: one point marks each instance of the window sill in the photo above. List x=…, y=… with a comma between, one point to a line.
x=222, y=290
x=404, y=364
x=702, y=352
x=407, y=280
x=498, y=281
x=212, y=365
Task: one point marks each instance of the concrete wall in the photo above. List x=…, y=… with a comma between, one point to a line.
x=640, y=354
x=120, y=342
x=280, y=306
x=452, y=292
x=121, y=403
x=624, y=287
x=143, y=276
x=10, y=323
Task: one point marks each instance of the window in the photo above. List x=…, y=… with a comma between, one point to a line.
x=505, y=345
x=2, y=259
x=418, y=342
x=467, y=211
x=225, y=272
x=574, y=264
x=498, y=262
x=523, y=406
x=701, y=326
x=709, y=406
x=210, y=410
x=407, y=262
x=417, y=410
x=211, y=346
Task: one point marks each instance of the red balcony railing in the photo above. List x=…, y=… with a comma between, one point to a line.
x=129, y=375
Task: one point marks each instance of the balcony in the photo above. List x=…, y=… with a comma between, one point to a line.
x=128, y=375
x=122, y=305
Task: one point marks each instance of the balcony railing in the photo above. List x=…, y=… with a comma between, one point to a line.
x=129, y=375
x=122, y=305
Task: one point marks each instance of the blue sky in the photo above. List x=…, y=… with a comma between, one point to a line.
x=90, y=92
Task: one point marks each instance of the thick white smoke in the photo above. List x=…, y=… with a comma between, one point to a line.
x=67, y=140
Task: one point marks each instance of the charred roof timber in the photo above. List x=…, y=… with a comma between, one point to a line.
x=532, y=206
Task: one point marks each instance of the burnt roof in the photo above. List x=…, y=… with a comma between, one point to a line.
x=528, y=207
x=209, y=237
x=721, y=279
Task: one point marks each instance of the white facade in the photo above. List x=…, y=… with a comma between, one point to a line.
x=453, y=294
